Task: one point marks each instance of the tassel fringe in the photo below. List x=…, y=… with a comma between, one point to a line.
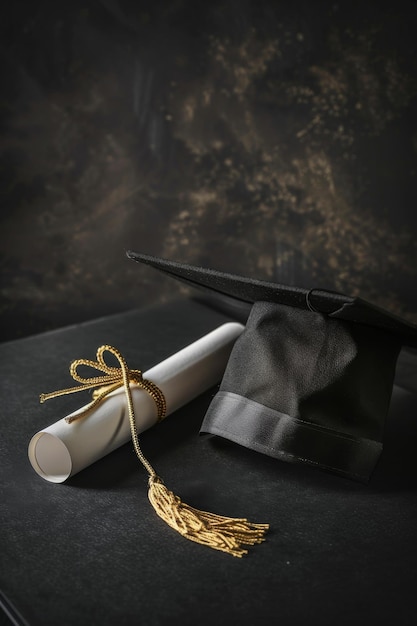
x=227, y=534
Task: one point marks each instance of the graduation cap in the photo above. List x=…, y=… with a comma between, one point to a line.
x=310, y=379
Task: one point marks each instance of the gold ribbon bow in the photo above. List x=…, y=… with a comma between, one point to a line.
x=221, y=533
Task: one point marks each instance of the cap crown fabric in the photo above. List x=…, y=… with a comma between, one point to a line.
x=300, y=386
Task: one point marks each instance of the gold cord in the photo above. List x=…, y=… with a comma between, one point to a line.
x=218, y=532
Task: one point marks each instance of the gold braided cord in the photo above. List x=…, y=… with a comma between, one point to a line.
x=218, y=532
x=112, y=379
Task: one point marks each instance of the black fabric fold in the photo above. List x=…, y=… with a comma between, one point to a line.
x=275, y=434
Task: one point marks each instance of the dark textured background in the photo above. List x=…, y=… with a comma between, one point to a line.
x=262, y=137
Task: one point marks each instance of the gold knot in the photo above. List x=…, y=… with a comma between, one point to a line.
x=111, y=379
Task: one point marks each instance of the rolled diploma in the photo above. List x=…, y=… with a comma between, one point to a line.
x=61, y=450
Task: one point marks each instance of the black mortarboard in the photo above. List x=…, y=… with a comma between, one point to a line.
x=310, y=379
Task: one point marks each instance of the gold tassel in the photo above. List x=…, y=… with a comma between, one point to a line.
x=227, y=534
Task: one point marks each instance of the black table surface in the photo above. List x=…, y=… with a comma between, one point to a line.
x=92, y=551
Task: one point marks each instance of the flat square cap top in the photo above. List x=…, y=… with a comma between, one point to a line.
x=333, y=304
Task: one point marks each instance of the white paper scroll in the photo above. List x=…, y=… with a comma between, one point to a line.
x=61, y=450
